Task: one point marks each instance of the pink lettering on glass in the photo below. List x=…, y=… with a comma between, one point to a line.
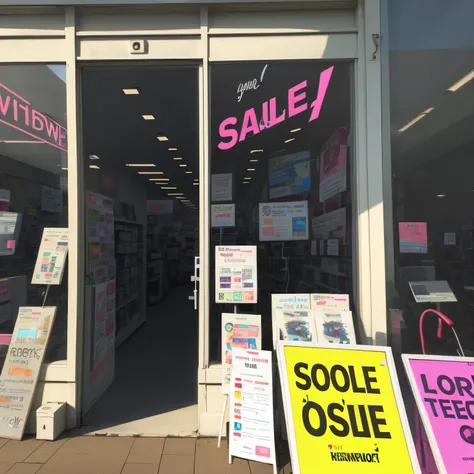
x=231, y=132
x=16, y=112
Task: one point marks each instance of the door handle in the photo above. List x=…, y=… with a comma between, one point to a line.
x=195, y=280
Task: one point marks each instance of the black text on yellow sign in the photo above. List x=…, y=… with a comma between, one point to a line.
x=345, y=412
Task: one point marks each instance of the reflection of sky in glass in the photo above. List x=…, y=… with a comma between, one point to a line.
x=59, y=70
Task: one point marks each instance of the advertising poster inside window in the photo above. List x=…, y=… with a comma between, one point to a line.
x=413, y=237
x=333, y=166
x=330, y=226
x=283, y=221
x=236, y=275
x=51, y=259
x=221, y=187
x=222, y=215
x=289, y=174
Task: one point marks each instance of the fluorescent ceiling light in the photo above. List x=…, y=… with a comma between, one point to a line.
x=195, y=184
x=93, y=157
x=64, y=169
x=139, y=164
x=148, y=117
x=172, y=149
x=256, y=151
x=21, y=142
x=169, y=187
x=162, y=138
x=247, y=177
x=180, y=198
x=175, y=194
x=130, y=91
x=290, y=140
x=185, y=200
x=150, y=172
x=295, y=130
x=415, y=120
x=159, y=179
x=183, y=166
x=463, y=81
x=441, y=196
x=246, y=182
x=177, y=158
x=94, y=167
x=189, y=172
x=253, y=161
x=250, y=169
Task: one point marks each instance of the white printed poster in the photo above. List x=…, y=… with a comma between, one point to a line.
x=334, y=327
x=283, y=221
x=242, y=331
x=51, y=259
x=330, y=301
x=51, y=200
x=22, y=367
x=333, y=166
x=330, y=226
x=251, y=432
x=223, y=215
x=221, y=187
x=159, y=207
x=287, y=302
x=236, y=274
x=333, y=247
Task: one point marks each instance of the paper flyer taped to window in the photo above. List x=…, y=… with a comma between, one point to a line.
x=51, y=259
x=236, y=275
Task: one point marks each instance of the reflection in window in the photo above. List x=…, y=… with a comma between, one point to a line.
x=432, y=147
x=33, y=188
x=280, y=178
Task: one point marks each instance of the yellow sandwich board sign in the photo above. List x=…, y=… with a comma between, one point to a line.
x=344, y=410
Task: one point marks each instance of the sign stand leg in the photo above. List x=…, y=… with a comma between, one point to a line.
x=235, y=309
x=46, y=295
x=224, y=408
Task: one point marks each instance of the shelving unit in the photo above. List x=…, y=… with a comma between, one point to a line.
x=130, y=314
x=156, y=278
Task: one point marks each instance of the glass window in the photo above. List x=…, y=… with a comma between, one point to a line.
x=33, y=189
x=281, y=158
x=432, y=147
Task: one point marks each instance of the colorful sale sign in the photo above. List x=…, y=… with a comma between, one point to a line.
x=344, y=410
x=444, y=393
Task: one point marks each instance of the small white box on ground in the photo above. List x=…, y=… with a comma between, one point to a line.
x=50, y=421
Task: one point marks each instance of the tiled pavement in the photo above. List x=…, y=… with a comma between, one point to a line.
x=121, y=455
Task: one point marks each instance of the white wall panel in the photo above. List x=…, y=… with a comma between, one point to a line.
x=32, y=25
x=158, y=48
x=275, y=47
x=25, y=50
x=130, y=22
x=301, y=21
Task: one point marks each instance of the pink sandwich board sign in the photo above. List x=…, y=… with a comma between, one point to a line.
x=443, y=387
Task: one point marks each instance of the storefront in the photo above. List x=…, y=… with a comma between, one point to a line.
x=179, y=120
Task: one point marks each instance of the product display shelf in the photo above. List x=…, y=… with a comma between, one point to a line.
x=156, y=278
x=129, y=311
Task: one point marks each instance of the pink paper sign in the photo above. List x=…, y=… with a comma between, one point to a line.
x=413, y=237
x=444, y=392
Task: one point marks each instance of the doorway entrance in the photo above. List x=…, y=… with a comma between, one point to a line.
x=141, y=181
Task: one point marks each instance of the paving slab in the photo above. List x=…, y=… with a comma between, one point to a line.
x=213, y=460
x=5, y=466
x=140, y=469
x=91, y=455
x=18, y=451
x=146, y=451
x=45, y=451
x=180, y=446
x=177, y=464
x=23, y=468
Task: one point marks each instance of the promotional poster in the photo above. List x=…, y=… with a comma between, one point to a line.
x=344, y=410
x=444, y=394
